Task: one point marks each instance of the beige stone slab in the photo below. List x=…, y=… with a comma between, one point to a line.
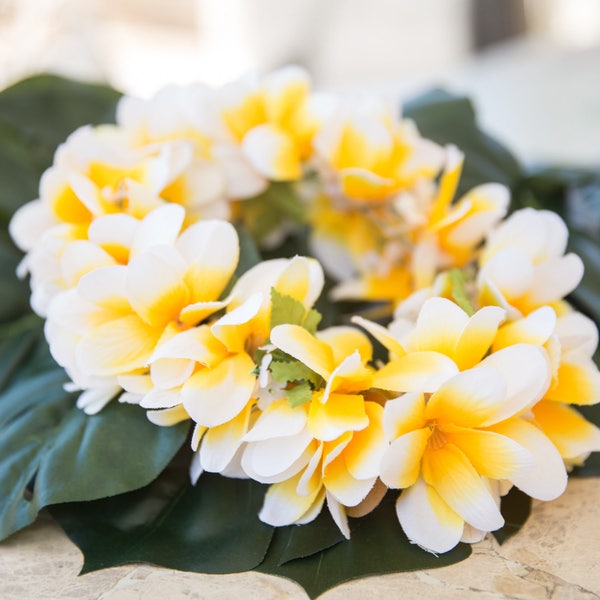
x=555, y=556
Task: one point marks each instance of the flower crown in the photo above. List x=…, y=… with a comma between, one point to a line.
x=448, y=368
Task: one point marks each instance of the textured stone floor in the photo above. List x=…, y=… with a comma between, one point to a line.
x=555, y=556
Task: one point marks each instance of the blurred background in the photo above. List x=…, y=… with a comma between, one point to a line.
x=532, y=67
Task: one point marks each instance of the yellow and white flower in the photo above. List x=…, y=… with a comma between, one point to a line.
x=523, y=264
x=447, y=446
x=369, y=155
x=327, y=448
x=274, y=120
x=110, y=322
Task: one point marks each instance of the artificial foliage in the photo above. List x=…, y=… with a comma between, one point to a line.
x=127, y=474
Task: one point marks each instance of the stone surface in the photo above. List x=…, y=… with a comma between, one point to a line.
x=555, y=556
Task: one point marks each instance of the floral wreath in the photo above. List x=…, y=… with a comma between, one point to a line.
x=292, y=299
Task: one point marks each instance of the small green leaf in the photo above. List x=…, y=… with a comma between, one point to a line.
x=299, y=394
x=287, y=310
x=312, y=320
x=294, y=370
x=459, y=291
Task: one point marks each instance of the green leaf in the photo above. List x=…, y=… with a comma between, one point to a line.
x=299, y=394
x=449, y=119
x=287, y=310
x=378, y=546
x=459, y=292
x=50, y=451
x=515, y=508
x=278, y=205
x=285, y=371
x=212, y=527
x=36, y=115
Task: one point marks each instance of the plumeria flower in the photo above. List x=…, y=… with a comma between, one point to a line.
x=369, y=155
x=447, y=446
x=453, y=231
x=274, y=120
x=208, y=373
x=216, y=171
x=523, y=265
x=110, y=322
x=328, y=447
x=571, y=341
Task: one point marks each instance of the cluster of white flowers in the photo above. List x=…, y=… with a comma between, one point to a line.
x=132, y=256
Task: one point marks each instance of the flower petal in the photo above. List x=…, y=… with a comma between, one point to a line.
x=382, y=335
x=197, y=344
x=469, y=398
x=341, y=413
x=283, y=505
x=211, y=250
x=220, y=443
x=155, y=285
x=568, y=430
x=302, y=345
x=493, y=455
x=536, y=328
x=342, y=486
x=416, y=371
x=451, y=474
x=403, y=414
x=117, y=347
x=427, y=520
x=278, y=419
x=578, y=380
x=169, y=373
x=365, y=450
x=213, y=396
x=401, y=464
x=272, y=153
x=158, y=228
x=548, y=479
x=477, y=336
x=527, y=371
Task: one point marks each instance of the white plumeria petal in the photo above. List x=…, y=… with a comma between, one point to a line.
x=535, y=328
x=338, y=514
x=160, y=227
x=576, y=331
x=211, y=250
x=94, y=400
x=169, y=373
x=527, y=372
x=278, y=419
x=449, y=471
x=416, y=371
x=155, y=285
x=221, y=443
x=213, y=396
x=427, y=520
x=554, y=279
x=401, y=463
x=168, y=416
x=81, y=257
x=283, y=505
x=403, y=414
x=274, y=457
x=548, y=479
x=161, y=399
x=107, y=287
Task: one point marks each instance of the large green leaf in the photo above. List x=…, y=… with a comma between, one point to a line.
x=378, y=546
x=52, y=452
x=212, y=527
x=449, y=119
